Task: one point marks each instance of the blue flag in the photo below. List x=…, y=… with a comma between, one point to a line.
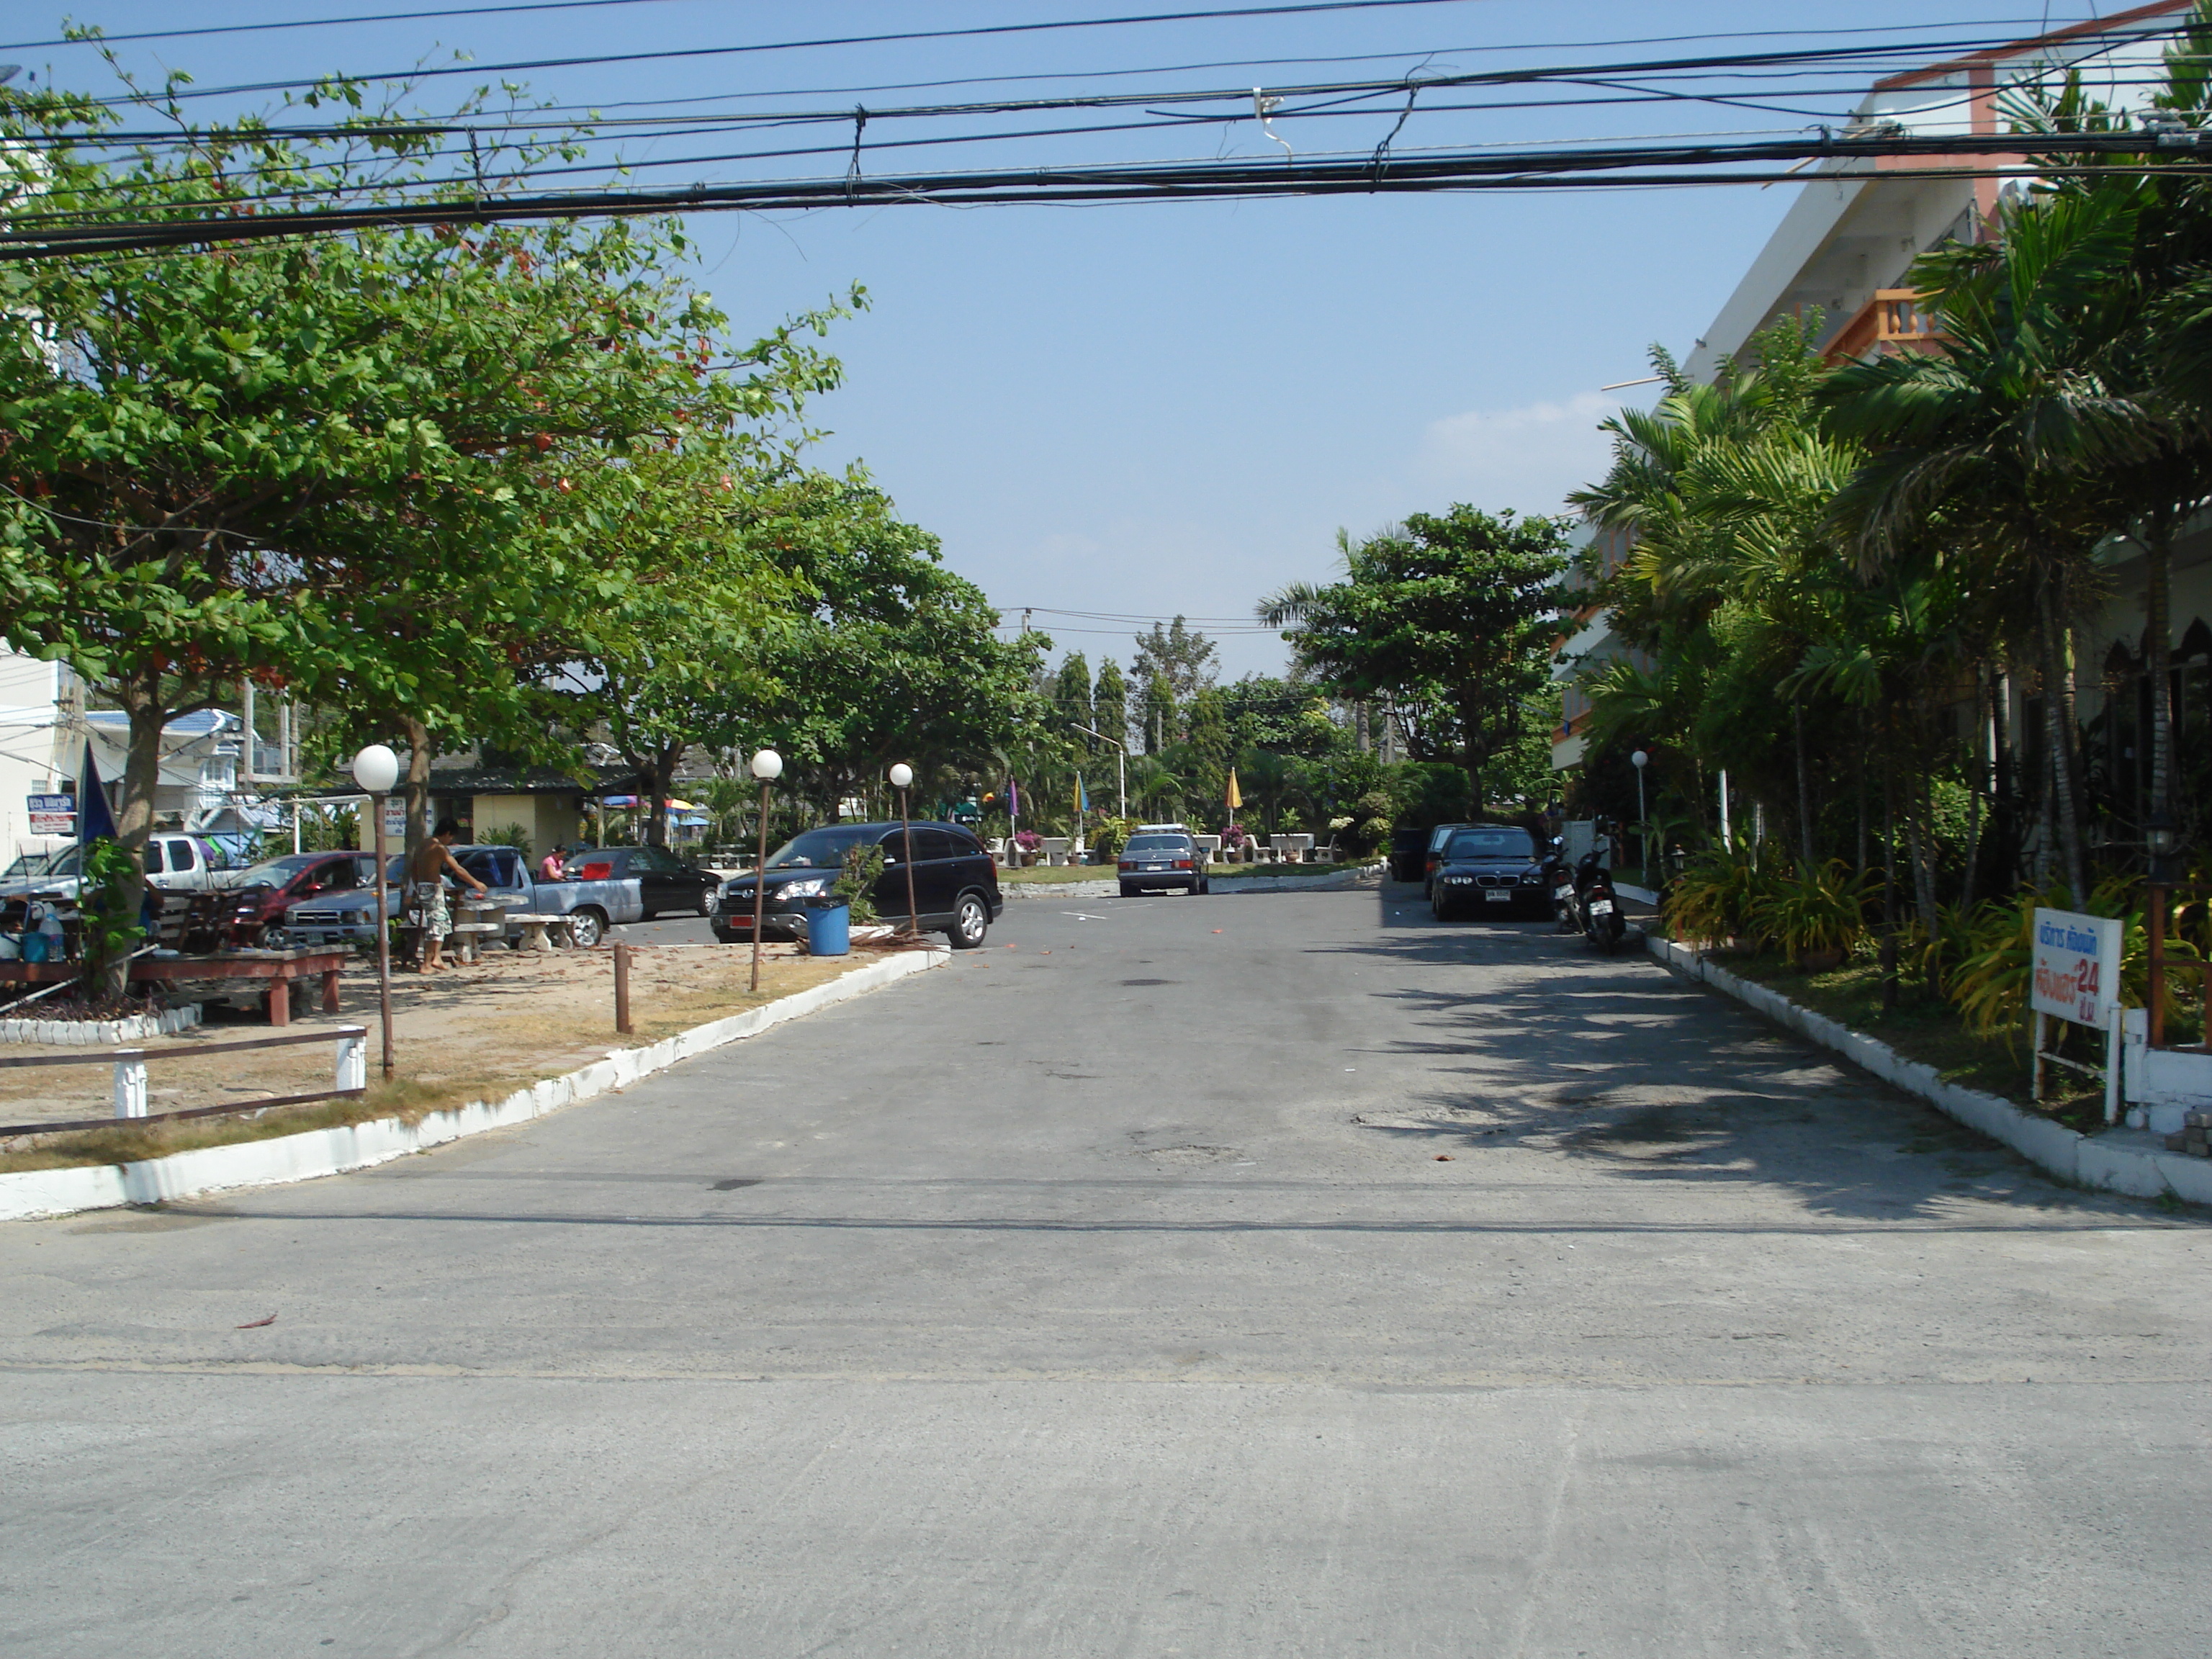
x=1082, y=796
x=94, y=821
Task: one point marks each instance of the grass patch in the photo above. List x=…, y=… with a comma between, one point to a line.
x=1925, y=1029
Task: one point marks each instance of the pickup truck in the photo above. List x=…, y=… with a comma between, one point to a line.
x=174, y=863
x=349, y=918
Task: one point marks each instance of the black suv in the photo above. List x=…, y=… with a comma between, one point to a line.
x=955, y=885
x=1494, y=868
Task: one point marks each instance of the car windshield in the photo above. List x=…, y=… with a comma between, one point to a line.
x=1158, y=844
x=277, y=872
x=1498, y=843
x=63, y=863
x=820, y=849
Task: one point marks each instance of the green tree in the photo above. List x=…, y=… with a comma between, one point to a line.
x=1071, y=696
x=1110, y=702
x=1450, y=618
x=1185, y=657
x=1160, y=720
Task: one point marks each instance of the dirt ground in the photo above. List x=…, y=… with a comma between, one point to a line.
x=461, y=1035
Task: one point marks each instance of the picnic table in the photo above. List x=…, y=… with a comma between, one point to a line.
x=282, y=969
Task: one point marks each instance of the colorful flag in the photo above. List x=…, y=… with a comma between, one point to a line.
x=1236, y=799
x=1013, y=801
x=1082, y=797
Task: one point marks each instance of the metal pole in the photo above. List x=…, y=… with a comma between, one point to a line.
x=913, y=913
x=760, y=886
x=2155, y=896
x=622, y=989
x=1643, y=829
x=383, y=937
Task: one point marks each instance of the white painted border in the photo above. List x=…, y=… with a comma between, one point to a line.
x=28, y=1193
x=87, y=1033
x=2120, y=1160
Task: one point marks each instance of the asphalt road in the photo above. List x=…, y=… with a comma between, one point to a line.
x=1106, y=1295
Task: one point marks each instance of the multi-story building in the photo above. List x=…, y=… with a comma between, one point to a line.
x=1842, y=251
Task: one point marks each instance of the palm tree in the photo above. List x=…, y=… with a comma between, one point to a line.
x=1985, y=452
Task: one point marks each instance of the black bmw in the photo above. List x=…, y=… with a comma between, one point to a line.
x=1493, y=869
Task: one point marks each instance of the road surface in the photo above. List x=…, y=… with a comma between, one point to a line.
x=1267, y=1275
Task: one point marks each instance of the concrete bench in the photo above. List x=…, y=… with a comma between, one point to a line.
x=544, y=933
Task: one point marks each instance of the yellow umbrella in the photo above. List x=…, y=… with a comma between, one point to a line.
x=1236, y=800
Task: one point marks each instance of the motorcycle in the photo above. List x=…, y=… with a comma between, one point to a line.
x=1560, y=881
x=1593, y=906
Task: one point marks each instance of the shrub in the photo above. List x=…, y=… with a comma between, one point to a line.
x=508, y=835
x=1028, y=840
x=1111, y=835
x=1714, y=897
x=856, y=883
x=1810, y=908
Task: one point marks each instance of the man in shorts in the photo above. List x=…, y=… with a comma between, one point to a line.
x=426, y=892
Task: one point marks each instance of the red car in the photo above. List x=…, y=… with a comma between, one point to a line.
x=250, y=912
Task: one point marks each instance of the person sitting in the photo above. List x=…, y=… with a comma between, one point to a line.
x=554, y=865
x=427, y=867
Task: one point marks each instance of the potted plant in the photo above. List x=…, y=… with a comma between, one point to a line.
x=1026, y=843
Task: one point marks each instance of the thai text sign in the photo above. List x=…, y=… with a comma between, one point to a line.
x=53, y=815
x=2078, y=966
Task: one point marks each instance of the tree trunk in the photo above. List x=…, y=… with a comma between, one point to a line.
x=1980, y=774
x=2057, y=720
x=1804, y=787
x=134, y=813
x=2157, y=653
x=416, y=790
x=1861, y=792
x=658, y=769
x=1922, y=851
x=1888, y=883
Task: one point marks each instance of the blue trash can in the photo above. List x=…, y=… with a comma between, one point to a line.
x=828, y=928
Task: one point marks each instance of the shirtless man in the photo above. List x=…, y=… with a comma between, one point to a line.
x=426, y=869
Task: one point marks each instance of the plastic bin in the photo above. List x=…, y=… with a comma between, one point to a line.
x=828, y=928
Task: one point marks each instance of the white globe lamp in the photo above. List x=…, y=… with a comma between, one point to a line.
x=376, y=768
x=768, y=766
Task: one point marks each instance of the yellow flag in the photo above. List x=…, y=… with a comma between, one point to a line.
x=1236, y=800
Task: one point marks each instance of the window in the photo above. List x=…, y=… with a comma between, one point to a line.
x=154, y=865
x=655, y=860
x=1498, y=843
x=932, y=842
x=182, y=856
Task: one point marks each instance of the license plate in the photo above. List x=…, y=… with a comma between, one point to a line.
x=1563, y=893
x=1155, y=866
x=1601, y=907
x=1496, y=897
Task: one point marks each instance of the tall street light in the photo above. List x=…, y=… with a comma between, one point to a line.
x=901, y=777
x=376, y=768
x=768, y=766
x=1120, y=769
x=1640, y=760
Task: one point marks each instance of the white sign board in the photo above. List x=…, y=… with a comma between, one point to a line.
x=395, y=817
x=2077, y=967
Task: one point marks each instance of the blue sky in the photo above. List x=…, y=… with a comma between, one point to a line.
x=1154, y=409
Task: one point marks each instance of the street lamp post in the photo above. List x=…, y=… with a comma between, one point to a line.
x=1120, y=769
x=1640, y=760
x=376, y=768
x=901, y=776
x=768, y=766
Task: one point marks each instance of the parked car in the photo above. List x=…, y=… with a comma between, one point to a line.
x=1409, y=849
x=1494, y=868
x=955, y=885
x=1438, y=834
x=349, y=918
x=665, y=883
x=174, y=862
x=251, y=910
x=1158, y=862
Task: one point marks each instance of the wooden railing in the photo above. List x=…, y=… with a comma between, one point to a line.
x=1892, y=321
x=351, y=1077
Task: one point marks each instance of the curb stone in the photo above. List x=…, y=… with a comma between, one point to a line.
x=2127, y=1161
x=25, y=1193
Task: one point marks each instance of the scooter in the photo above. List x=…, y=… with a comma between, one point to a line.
x=1560, y=881
x=1594, y=906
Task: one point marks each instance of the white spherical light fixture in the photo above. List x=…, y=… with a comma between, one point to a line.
x=376, y=768
x=901, y=775
x=768, y=766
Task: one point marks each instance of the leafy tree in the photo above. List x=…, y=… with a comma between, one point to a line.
x=1451, y=618
x=1179, y=654
x=1110, y=702
x=1071, y=697
x=1161, y=720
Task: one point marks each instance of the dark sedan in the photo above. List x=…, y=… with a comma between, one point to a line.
x=1493, y=868
x=955, y=885
x=251, y=910
x=665, y=883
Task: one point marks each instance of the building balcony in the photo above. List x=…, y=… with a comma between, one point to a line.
x=1892, y=321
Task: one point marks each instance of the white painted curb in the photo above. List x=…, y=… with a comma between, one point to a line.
x=1341, y=876
x=2107, y=1161
x=92, y=1032
x=28, y=1193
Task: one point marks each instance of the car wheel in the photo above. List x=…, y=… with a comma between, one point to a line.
x=1127, y=891
x=971, y=920
x=589, y=925
x=270, y=937
x=707, y=904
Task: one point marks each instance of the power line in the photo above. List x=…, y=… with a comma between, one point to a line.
x=323, y=22
x=1640, y=165
x=978, y=32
